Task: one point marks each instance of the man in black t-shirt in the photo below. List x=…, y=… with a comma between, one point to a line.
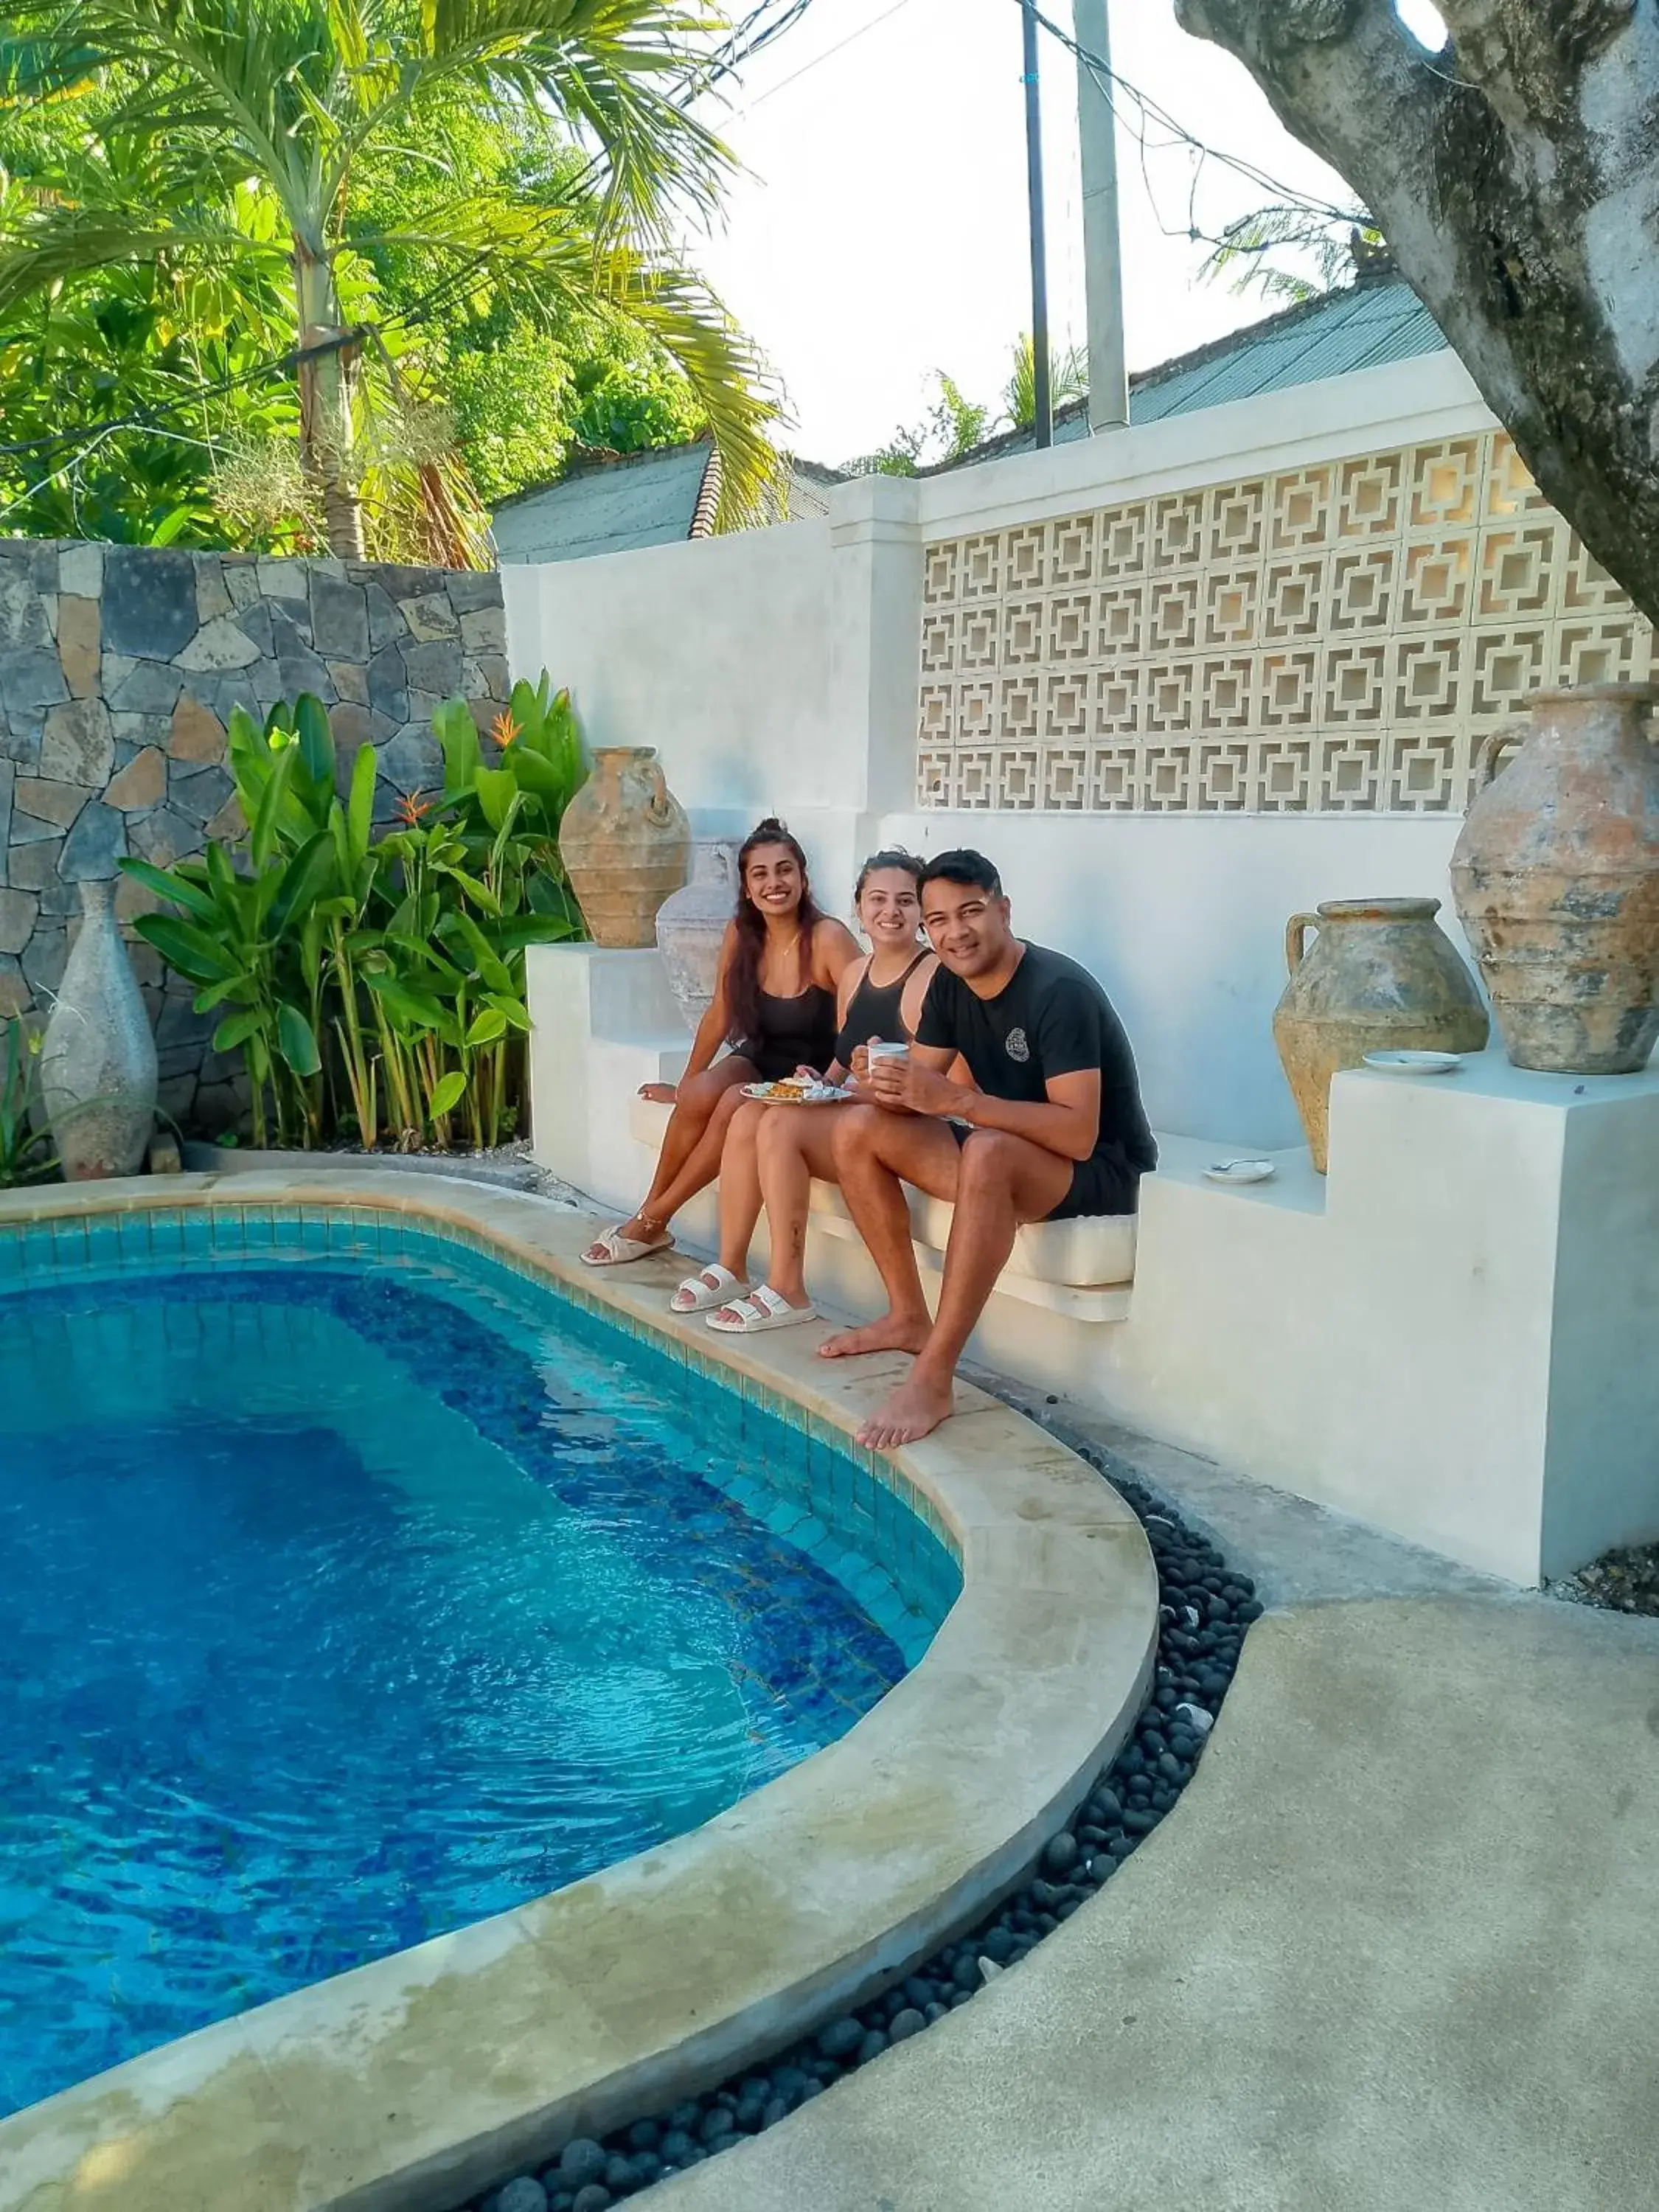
x=1050, y=1124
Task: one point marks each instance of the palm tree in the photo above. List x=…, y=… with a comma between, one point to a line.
x=1068, y=375
x=223, y=105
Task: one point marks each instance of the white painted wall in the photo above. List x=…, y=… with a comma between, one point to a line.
x=776, y=672
x=1182, y=918
x=716, y=651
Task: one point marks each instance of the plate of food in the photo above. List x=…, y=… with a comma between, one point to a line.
x=797, y=1090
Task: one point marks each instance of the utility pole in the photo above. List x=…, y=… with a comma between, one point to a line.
x=1103, y=250
x=1042, y=389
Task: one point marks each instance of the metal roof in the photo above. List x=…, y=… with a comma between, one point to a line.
x=1364, y=325
x=622, y=502
x=605, y=507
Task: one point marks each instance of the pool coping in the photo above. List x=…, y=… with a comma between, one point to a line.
x=409, y=2083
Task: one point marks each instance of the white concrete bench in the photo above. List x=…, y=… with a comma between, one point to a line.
x=1080, y=1267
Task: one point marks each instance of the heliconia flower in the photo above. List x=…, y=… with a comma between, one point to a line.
x=504, y=729
x=410, y=809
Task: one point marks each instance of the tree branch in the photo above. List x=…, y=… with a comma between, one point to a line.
x=1514, y=177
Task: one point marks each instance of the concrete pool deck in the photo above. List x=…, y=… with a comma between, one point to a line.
x=1396, y=1948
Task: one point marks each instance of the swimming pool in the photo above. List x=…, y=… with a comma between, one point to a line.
x=360, y=1588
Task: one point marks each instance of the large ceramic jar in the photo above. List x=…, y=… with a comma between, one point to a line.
x=1382, y=976
x=97, y=1059
x=691, y=924
x=626, y=844
x=1556, y=876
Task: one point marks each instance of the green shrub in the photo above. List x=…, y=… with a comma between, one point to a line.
x=377, y=985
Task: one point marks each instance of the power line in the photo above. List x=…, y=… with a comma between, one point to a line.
x=1111, y=80
x=773, y=90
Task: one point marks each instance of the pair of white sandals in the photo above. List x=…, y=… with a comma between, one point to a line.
x=715, y=1291
x=734, y=1311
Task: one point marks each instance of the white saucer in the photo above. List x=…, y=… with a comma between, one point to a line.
x=1414, y=1063
x=1237, y=1171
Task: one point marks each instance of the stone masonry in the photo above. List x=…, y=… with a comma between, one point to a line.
x=119, y=666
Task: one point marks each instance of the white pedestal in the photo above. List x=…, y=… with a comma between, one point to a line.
x=601, y=1024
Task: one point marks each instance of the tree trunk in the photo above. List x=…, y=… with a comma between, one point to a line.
x=1515, y=179
x=325, y=442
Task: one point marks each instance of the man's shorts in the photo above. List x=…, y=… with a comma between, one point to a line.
x=1099, y=1184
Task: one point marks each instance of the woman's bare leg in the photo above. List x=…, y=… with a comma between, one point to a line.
x=699, y=1166
x=699, y=1100
x=740, y=1190
x=794, y=1145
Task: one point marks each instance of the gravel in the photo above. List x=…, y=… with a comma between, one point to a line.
x=1205, y=1612
x=1619, y=1582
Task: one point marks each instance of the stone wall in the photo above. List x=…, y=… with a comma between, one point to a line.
x=119, y=666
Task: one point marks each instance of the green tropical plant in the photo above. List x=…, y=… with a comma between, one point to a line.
x=1068, y=375
x=237, y=148
x=1252, y=248
x=25, y=1153
x=377, y=985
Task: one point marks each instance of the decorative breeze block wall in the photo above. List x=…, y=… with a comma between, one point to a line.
x=119, y=666
x=1335, y=639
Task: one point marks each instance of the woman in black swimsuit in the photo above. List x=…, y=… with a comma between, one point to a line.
x=781, y=963
x=783, y=1147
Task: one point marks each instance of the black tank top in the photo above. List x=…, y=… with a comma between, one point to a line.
x=874, y=1011
x=794, y=1032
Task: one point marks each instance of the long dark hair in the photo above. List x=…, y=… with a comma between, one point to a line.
x=742, y=977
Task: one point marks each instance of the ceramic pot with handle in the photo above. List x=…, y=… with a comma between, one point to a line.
x=626, y=844
x=692, y=924
x=1556, y=876
x=1381, y=975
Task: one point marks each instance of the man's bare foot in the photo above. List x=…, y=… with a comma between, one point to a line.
x=892, y=1333
x=914, y=1409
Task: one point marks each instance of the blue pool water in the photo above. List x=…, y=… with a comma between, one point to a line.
x=348, y=1601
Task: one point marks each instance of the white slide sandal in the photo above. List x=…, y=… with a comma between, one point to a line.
x=761, y=1310
x=697, y=1293
x=613, y=1250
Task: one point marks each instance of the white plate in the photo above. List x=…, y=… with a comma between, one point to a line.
x=1414, y=1063
x=823, y=1094
x=1239, y=1171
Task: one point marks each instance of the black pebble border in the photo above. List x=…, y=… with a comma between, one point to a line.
x=1205, y=1611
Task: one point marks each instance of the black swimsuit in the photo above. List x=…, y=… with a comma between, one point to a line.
x=874, y=1012
x=794, y=1032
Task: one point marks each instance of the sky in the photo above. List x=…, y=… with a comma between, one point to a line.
x=878, y=232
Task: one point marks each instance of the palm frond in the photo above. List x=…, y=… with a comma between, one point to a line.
x=548, y=263
x=41, y=246
x=613, y=70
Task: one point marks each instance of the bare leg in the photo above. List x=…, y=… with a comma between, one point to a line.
x=699, y=1097
x=873, y=1149
x=740, y=1187
x=796, y=1143
x=1002, y=1182
x=698, y=1169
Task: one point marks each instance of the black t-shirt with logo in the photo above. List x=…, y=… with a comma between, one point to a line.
x=1050, y=1018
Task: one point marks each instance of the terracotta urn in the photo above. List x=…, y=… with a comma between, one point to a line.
x=626, y=844
x=1556, y=876
x=693, y=921
x=97, y=1059
x=1382, y=976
